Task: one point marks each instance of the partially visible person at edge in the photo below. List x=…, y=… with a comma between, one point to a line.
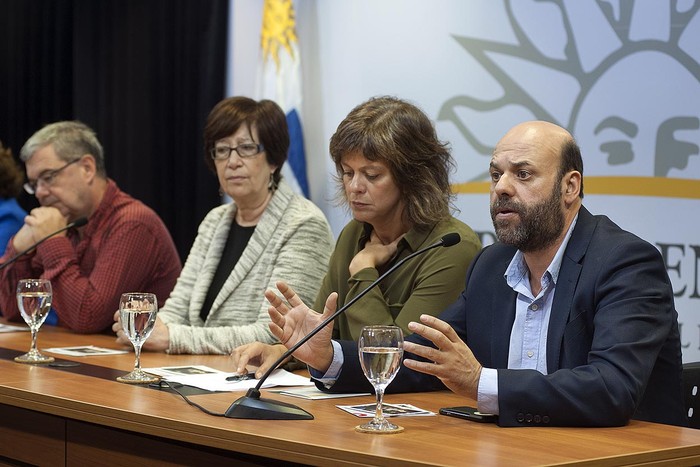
x=267, y=232
x=124, y=246
x=568, y=320
x=393, y=174
x=11, y=214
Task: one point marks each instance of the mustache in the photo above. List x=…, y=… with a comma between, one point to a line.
x=502, y=204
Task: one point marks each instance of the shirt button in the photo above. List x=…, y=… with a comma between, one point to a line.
x=530, y=353
x=534, y=307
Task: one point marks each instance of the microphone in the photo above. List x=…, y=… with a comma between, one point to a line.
x=79, y=222
x=252, y=406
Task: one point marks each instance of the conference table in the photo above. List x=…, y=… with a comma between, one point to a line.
x=80, y=415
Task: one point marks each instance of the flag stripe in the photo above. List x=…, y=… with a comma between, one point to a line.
x=297, y=155
x=279, y=79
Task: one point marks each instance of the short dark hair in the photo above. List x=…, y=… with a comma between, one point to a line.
x=229, y=114
x=399, y=134
x=11, y=174
x=571, y=160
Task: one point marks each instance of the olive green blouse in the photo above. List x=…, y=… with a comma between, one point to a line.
x=427, y=283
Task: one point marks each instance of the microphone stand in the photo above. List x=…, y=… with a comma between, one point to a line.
x=81, y=221
x=252, y=406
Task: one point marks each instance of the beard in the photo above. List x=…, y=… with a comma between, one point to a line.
x=539, y=227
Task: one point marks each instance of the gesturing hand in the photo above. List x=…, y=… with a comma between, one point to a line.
x=293, y=320
x=453, y=362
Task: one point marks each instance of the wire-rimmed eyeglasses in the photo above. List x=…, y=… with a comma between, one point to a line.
x=245, y=150
x=45, y=179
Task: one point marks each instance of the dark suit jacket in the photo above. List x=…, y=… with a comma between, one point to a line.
x=613, y=347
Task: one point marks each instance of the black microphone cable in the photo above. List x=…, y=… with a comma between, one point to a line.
x=447, y=240
x=165, y=384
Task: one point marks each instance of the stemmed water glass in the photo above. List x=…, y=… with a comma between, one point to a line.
x=381, y=350
x=34, y=302
x=137, y=312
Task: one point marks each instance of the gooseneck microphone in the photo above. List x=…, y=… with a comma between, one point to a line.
x=252, y=406
x=81, y=221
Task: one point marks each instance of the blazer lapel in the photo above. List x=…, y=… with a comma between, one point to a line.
x=211, y=261
x=569, y=274
x=502, y=315
x=503, y=318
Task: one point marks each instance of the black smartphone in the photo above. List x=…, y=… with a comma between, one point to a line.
x=469, y=413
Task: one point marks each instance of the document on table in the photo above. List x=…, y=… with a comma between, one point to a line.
x=389, y=410
x=210, y=379
x=85, y=351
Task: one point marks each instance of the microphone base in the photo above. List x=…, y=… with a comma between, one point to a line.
x=253, y=407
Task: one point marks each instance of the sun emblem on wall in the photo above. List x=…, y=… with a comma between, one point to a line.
x=278, y=29
x=623, y=77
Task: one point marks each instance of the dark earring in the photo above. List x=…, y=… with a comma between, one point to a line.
x=271, y=184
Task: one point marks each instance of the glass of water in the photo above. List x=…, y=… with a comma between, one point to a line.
x=137, y=312
x=34, y=302
x=381, y=350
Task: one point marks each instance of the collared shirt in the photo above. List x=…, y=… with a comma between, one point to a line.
x=528, y=337
x=425, y=284
x=124, y=247
x=528, y=346
x=429, y=287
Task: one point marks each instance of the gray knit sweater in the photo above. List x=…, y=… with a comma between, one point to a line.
x=292, y=242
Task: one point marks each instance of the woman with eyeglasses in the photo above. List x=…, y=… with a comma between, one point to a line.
x=393, y=175
x=266, y=233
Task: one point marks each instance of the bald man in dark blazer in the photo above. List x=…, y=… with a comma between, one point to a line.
x=567, y=320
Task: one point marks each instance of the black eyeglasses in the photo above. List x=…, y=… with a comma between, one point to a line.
x=45, y=179
x=245, y=150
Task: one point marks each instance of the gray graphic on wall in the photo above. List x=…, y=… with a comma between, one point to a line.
x=622, y=76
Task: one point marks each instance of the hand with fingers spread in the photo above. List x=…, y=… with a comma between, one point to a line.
x=292, y=320
x=452, y=361
x=257, y=355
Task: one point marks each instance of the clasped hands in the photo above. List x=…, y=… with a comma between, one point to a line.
x=39, y=223
x=451, y=361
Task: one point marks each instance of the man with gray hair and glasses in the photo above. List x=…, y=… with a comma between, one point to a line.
x=123, y=247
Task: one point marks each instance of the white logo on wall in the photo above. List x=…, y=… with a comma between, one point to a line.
x=624, y=77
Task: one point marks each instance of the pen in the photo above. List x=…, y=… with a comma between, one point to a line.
x=241, y=377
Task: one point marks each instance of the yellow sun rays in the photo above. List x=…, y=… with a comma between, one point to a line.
x=278, y=29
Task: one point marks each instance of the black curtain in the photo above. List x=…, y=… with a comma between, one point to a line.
x=142, y=73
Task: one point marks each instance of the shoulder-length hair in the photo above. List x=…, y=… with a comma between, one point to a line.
x=400, y=135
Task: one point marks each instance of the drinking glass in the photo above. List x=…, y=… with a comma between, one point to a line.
x=137, y=312
x=34, y=302
x=380, y=349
